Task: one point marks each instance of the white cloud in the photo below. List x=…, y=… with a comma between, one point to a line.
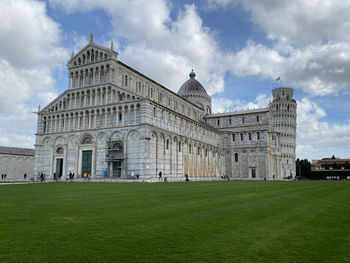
x=163, y=48
x=316, y=138
x=316, y=69
x=79, y=42
x=29, y=53
x=31, y=36
x=310, y=43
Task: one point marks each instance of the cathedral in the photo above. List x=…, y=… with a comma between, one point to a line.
x=114, y=122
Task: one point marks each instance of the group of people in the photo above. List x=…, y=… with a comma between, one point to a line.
x=3, y=176
x=225, y=177
x=160, y=175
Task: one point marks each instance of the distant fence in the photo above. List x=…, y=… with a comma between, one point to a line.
x=330, y=175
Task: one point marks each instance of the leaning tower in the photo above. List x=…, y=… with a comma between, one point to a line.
x=283, y=114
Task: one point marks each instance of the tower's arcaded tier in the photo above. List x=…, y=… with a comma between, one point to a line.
x=283, y=115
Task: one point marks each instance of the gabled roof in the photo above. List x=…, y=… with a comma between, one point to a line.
x=90, y=44
x=17, y=151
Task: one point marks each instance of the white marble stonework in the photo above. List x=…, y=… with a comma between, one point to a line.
x=15, y=162
x=113, y=121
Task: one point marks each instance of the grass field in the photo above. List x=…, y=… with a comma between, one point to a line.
x=235, y=221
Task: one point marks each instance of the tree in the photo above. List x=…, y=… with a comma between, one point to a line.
x=347, y=165
x=303, y=168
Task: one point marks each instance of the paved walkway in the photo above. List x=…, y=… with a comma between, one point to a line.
x=16, y=183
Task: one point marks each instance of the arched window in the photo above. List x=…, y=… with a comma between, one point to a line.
x=81, y=80
x=126, y=80
x=257, y=118
x=92, y=56
x=167, y=144
x=45, y=126
x=91, y=78
x=236, y=157
x=103, y=77
x=86, y=140
x=250, y=136
x=179, y=146
x=218, y=122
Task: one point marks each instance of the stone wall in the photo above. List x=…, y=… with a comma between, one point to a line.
x=16, y=165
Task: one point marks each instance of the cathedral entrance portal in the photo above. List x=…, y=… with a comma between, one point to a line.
x=117, y=169
x=59, y=166
x=253, y=173
x=86, y=163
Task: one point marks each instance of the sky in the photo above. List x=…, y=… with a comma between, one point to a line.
x=237, y=48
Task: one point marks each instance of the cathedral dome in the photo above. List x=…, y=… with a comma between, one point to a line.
x=192, y=87
x=193, y=91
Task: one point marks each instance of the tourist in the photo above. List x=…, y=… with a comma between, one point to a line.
x=137, y=177
x=2, y=176
x=160, y=175
x=186, y=176
x=25, y=176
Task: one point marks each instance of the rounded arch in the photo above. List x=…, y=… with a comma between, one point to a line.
x=133, y=134
x=86, y=138
x=71, y=139
x=101, y=137
x=161, y=136
x=116, y=135
x=46, y=140
x=59, y=140
x=154, y=135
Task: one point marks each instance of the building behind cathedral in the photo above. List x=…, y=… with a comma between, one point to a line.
x=113, y=121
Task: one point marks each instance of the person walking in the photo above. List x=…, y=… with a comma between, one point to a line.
x=160, y=175
x=25, y=176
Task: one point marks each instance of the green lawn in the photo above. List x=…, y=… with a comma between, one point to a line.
x=235, y=221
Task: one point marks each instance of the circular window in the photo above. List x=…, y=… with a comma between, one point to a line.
x=59, y=150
